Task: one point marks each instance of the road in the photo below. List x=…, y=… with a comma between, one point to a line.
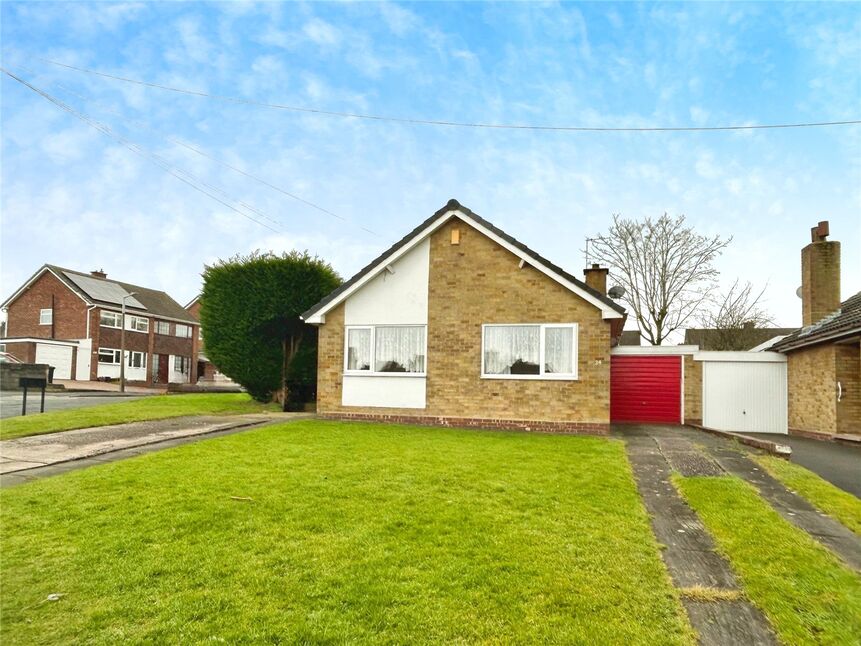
x=10, y=402
x=836, y=462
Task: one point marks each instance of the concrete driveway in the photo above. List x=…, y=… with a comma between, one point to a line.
x=10, y=401
x=837, y=462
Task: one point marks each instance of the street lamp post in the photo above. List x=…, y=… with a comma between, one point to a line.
x=123, y=344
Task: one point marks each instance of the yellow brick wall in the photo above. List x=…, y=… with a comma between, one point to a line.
x=476, y=282
x=812, y=389
x=848, y=362
x=693, y=390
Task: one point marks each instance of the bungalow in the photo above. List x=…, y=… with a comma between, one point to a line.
x=824, y=355
x=73, y=321
x=460, y=324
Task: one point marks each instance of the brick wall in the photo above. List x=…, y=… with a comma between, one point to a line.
x=693, y=390
x=24, y=351
x=812, y=389
x=70, y=312
x=820, y=280
x=848, y=365
x=478, y=282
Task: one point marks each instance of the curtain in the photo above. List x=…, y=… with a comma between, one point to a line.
x=359, y=349
x=399, y=349
x=511, y=349
x=559, y=350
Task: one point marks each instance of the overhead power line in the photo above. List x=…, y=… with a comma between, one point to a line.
x=181, y=175
x=236, y=169
x=440, y=122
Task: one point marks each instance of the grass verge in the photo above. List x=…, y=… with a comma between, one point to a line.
x=823, y=495
x=149, y=408
x=316, y=532
x=808, y=595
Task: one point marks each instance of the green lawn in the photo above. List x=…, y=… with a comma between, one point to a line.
x=832, y=500
x=155, y=407
x=354, y=533
x=808, y=595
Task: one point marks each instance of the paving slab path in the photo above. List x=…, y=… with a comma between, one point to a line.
x=688, y=549
x=791, y=506
x=27, y=458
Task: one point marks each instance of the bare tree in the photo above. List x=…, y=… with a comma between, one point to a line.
x=736, y=318
x=665, y=267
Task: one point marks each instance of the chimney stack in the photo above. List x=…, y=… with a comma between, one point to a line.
x=98, y=273
x=596, y=277
x=820, y=276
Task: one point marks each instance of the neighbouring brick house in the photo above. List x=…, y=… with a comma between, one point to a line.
x=824, y=355
x=206, y=370
x=72, y=321
x=461, y=324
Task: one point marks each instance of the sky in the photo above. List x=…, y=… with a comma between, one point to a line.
x=73, y=196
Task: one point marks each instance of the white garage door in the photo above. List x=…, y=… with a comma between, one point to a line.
x=59, y=356
x=748, y=397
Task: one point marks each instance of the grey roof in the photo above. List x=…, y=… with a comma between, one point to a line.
x=630, y=337
x=104, y=291
x=845, y=322
x=450, y=206
x=710, y=338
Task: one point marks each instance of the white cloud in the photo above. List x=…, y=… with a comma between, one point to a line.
x=322, y=33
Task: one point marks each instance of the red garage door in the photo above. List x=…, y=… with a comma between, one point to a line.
x=645, y=389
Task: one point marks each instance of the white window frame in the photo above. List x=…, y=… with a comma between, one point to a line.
x=116, y=316
x=161, y=324
x=46, y=316
x=117, y=359
x=179, y=326
x=132, y=323
x=129, y=360
x=546, y=376
x=184, y=364
x=373, y=373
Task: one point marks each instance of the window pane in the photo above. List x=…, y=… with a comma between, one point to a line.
x=559, y=350
x=46, y=316
x=511, y=350
x=400, y=349
x=358, y=350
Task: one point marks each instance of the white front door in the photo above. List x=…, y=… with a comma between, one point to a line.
x=59, y=356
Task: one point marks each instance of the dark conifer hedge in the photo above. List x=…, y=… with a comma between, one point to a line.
x=250, y=307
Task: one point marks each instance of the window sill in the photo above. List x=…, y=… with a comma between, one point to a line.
x=533, y=377
x=366, y=373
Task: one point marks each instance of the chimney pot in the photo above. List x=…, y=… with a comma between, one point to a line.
x=819, y=232
x=98, y=273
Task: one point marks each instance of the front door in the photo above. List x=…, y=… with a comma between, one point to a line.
x=159, y=368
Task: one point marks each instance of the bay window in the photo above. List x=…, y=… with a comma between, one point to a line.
x=385, y=349
x=529, y=351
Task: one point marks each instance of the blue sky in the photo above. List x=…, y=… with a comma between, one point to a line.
x=74, y=197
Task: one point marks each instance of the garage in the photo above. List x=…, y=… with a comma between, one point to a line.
x=744, y=391
x=646, y=388
x=59, y=356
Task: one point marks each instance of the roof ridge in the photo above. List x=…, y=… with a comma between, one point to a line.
x=454, y=205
